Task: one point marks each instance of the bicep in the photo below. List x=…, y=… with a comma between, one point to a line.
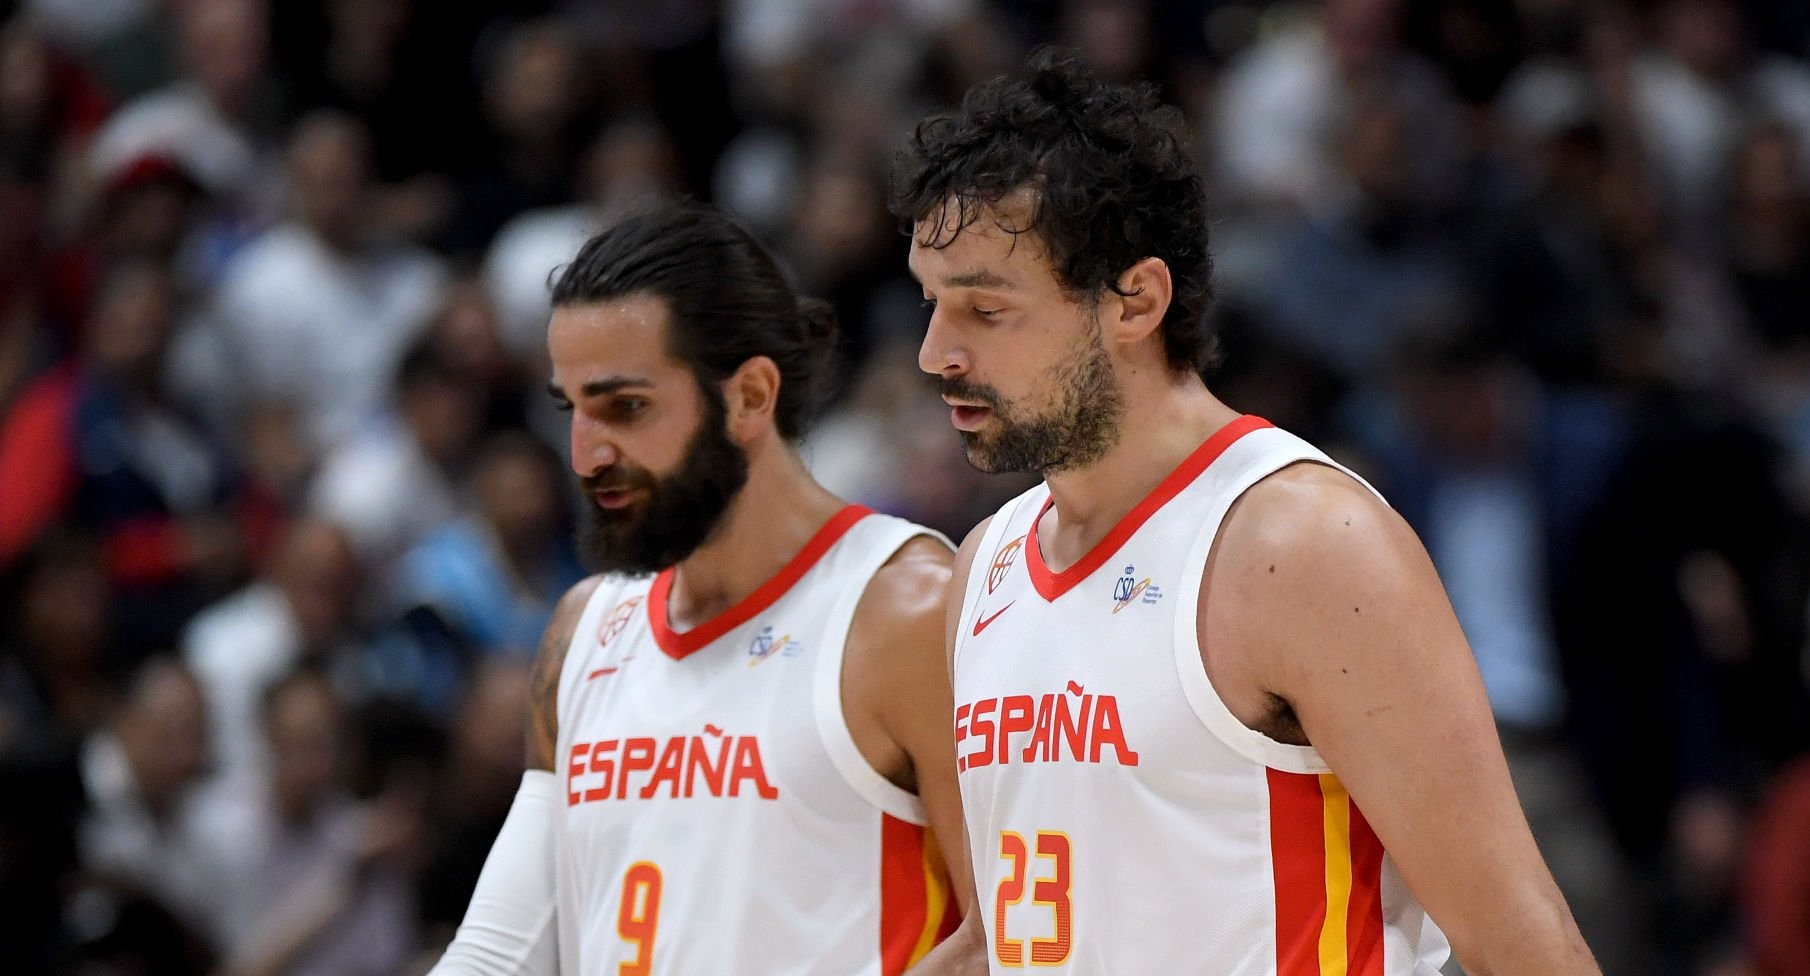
x=1348, y=623
x=929, y=737
x=918, y=706
x=1396, y=707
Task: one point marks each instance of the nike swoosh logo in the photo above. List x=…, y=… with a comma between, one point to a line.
x=982, y=623
x=609, y=669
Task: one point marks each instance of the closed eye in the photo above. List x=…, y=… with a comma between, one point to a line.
x=628, y=408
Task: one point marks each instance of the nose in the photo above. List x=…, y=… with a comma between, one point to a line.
x=592, y=448
x=941, y=354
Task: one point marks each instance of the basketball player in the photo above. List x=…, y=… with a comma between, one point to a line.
x=739, y=729
x=1213, y=713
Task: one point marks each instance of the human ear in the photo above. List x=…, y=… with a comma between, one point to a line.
x=750, y=397
x=1141, y=302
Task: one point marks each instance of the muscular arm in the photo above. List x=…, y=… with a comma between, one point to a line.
x=964, y=953
x=1322, y=598
x=509, y=927
x=901, y=680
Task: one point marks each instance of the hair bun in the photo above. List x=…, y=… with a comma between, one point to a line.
x=819, y=320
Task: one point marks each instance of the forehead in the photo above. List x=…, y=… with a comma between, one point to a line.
x=622, y=336
x=994, y=248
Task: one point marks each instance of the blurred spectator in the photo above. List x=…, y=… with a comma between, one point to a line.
x=883, y=447
x=1695, y=91
x=466, y=336
x=110, y=452
x=537, y=101
x=1768, y=233
x=1284, y=100
x=1112, y=36
x=139, y=774
x=317, y=883
x=317, y=312
x=381, y=63
x=53, y=687
x=299, y=613
x=392, y=481
x=115, y=928
x=842, y=247
x=495, y=573
x=1497, y=477
x=216, y=119
x=631, y=164
x=475, y=790
x=146, y=211
x=1776, y=894
x=1558, y=268
x=1769, y=237
x=1681, y=618
x=50, y=106
x=1371, y=259
x=772, y=44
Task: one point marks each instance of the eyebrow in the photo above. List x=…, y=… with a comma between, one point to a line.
x=603, y=387
x=978, y=278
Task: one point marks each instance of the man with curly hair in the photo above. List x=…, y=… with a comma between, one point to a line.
x=1213, y=711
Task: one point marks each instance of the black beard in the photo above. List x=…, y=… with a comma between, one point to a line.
x=1077, y=432
x=681, y=512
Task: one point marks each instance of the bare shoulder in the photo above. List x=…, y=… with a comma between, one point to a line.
x=549, y=661
x=902, y=610
x=1308, y=525
x=1305, y=556
x=912, y=584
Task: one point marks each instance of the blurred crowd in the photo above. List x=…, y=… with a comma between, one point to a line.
x=283, y=505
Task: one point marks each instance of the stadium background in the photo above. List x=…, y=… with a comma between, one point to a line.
x=282, y=509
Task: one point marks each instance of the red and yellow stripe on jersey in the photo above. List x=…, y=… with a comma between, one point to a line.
x=916, y=909
x=1328, y=866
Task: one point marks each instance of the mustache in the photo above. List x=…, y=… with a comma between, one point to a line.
x=616, y=479
x=960, y=388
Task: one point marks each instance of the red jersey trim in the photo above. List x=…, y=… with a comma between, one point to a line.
x=1328, y=866
x=917, y=907
x=1050, y=584
x=679, y=644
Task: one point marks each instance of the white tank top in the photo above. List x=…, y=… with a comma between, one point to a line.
x=1120, y=818
x=719, y=817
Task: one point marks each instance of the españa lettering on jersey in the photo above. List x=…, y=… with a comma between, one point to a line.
x=1096, y=758
x=720, y=755
x=1051, y=728
x=642, y=768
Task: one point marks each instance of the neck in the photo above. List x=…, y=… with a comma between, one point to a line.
x=1089, y=501
x=775, y=514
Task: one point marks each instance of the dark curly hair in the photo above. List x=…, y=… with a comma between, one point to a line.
x=1113, y=179
x=726, y=298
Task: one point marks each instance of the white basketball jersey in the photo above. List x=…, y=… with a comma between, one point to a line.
x=1120, y=818
x=719, y=817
